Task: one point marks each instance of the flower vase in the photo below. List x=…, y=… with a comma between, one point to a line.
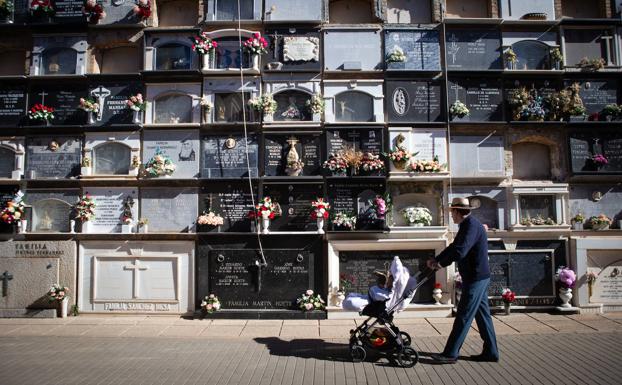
x=136, y=117
x=268, y=118
x=91, y=117
x=590, y=287
x=206, y=115
x=578, y=226
x=320, y=225
x=437, y=294
x=86, y=227
x=72, y=226
x=205, y=62
x=22, y=226
x=400, y=165
x=143, y=229
x=126, y=228
x=339, y=298
x=506, y=308
x=62, y=307
x=565, y=294
x=415, y=224
x=265, y=225
x=256, y=62
x=85, y=171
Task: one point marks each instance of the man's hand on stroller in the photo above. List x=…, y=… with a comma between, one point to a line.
x=433, y=264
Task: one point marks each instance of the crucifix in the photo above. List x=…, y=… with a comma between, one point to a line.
x=275, y=44
x=607, y=40
x=42, y=94
x=456, y=87
x=135, y=267
x=5, y=277
x=101, y=94
x=453, y=48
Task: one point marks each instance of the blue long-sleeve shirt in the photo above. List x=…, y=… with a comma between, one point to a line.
x=470, y=250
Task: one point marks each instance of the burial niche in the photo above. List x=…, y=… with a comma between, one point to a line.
x=59, y=61
x=537, y=206
x=467, y=9
x=351, y=11
x=51, y=215
x=176, y=13
x=532, y=55
x=580, y=9
x=486, y=211
x=173, y=56
x=13, y=62
x=291, y=106
x=354, y=106
x=172, y=109
x=112, y=159
x=409, y=11
x=532, y=161
x=227, y=10
x=229, y=107
x=7, y=162
x=120, y=60
x=230, y=55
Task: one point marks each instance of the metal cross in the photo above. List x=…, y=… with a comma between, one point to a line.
x=135, y=268
x=607, y=40
x=101, y=94
x=6, y=277
x=275, y=43
x=42, y=94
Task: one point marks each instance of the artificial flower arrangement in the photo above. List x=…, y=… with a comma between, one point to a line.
x=310, y=301
x=93, y=11
x=206, y=104
x=556, y=55
x=592, y=64
x=142, y=222
x=417, y=215
x=57, y=293
x=210, y=219
x=336, y=164
x=538, y=220
x=86, y=162
x=264, y=104
x=510, y=56
x=41, y=112
x=611, y=110
x=459, y=109
x=425, y=165
x=371, y=163
x=159, y=165
x=396, y=56
x=135, y=163
x=380, y=206
x=346, y=282
x=316, y=104
x=320, y=209
x=203, y=45
x=508, y=296
x=566, y=277
x=579, y=218
x=352, y=157
x=85, y=208
x=136, y=102
x=266, y=209
x=344, y=221
x=400, y=156
x=42, y=7
x=599, y=222
x=14, y=210
x=210, y=303
x=590, y=278
x=142, y=9
x=88, y=105
x=6, y=8
x=599, y=160
x=256, y=44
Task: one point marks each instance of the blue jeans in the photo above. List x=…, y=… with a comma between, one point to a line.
x=473, y=304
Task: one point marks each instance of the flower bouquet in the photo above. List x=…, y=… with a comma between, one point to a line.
x=266, y=209
x=371, y=164
x=566, y=278
x=57, y=293
x=40, y=8
x=203, y=45
x=14, y=210
x=346, y=282
x=400, y=157
x=159, y=165
x=6, y=10
x=210, y=219
x=210, y=304
x=263, y=104
x=41, y=113
x=396, y=56
x=85, y=208
x=510, y=58
x=256, y=44
x=343, y=221
x=136, y=102
x=425, y=165
x=592, y=64
x=316, y=104
x=310, y=301
x=508, y=298
x=142, y=9
x=459, y=110
x=417, y=216
x=320, y=209
x=601, y=222
x=611, y=112
x=88, y=105
x=94, y=12
x=556, y=56
x=598, y=160
x=590, y=278
x=538, y=220
x=335, y=164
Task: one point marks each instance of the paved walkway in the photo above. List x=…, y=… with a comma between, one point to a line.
x=536, y=349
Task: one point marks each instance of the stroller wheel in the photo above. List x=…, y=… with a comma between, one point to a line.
x=406, y=338
x=408, y=357
x=357, y=353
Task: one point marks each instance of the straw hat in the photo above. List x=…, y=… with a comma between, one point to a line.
x=461, y=203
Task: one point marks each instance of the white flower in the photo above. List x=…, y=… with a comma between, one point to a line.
x=309, y=292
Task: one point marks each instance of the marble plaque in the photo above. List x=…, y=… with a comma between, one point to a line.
x=607, y=265
x=277, y=146
x=53, y=157
x=233, y=202
x=354, y=198
x=7, y=162
x=69, y=10
x=429, y=144
x=581, y=42
x=64, y=99
x=362, y=139
x=182, y=147
x=224, y=156
x=169, y=210
x=421, y=47
x=112, y=158
x=477, y=156
x=301, y=48
x=582, y=200
x=352, y=50
x=292, y=49
x=414, y=101
x=583, y=146
x=293, y=10
x=51, y=210
x=12, y=104
x=483, y=98
x=228, y=10
x=111, y=98
x=295, y=202
x=597, y=93
x=473, y=49
x=109, y=207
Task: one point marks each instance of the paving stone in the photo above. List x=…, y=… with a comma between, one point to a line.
x=264, y=322
x=419, y=330
x=182, y=331
x=35, y=330
x=260, y=331
x=300, y=331
x=6, y=329
x=87, y=320
x=106, y=331
x=229, y=322
x=613, y=316
x=435, y=321
x=144, y=331
x=603, y=325
x=339, y=331
x=531, y=327
x=158, y=321
x=222, y=331
x=568, y=326
x=444, y=329
x=123, y=320
x=339, y=322
x=71, y=330
x=305, y=322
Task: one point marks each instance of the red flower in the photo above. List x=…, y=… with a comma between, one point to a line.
x=437, y=285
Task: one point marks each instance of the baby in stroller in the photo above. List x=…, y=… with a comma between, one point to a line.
x=392, y=293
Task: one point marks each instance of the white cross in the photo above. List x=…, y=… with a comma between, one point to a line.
x=136, y=268
x=42, y=94
x=456, y=87
x=453, y=48
x=101, y=94
x=607, y=39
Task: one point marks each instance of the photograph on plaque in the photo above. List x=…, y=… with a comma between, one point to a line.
x=232, y=201
x=361, y=200
x=172, y=210
x=12, y=104
x=292, y=49
x=52, y=210
x=292, y=155
x=181, y=147
x=64, y=98
x=595, y=152
x=225, y=156
x=111, y=98
x=482, y=97
x=111, y=206
x=294, y=200
x=473, y=49
x=414, y=101
x=56, y=157
x=410, y=49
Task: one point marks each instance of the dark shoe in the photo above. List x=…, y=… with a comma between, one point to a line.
x=484, y=358
x=441, y=359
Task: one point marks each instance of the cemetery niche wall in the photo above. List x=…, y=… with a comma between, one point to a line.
x=174, y=103
x=414, y=101
x=527, y=9
x=595, y=152
x=473, y=49
x=112, y=154
x=596, y=94
x=168, y=51
x=352, y=50
x=181, y=147
x=229, y=54
x=230, y=99
x=424, y=145
x=12, y=157
x=294, y=11
x=357, y=200
x=136, y=277
x=53, y=157
x=232, y=200
x=59, y=55
x=52, y=211
x=227, y=11
x=64, y=98
x=353, y=101
x=172, y=210
x=490, y=205
x=295, y=154
x=110, y=205
x=294, y=200
x=408, y=12
x=592, y=44
x=293, y=95
x=489, y=159
x=532, y=50
x=412, y=49
x=592, y=200
x=111, y=98
x=225, y=156
x=293, y=49
x=12, y=103
x=482, y=97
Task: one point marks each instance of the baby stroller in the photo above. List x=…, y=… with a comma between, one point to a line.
x=386, y=338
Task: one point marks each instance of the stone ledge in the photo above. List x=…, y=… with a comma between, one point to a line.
x=27, y=313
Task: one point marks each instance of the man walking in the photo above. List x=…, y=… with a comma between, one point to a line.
x=470, y=250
